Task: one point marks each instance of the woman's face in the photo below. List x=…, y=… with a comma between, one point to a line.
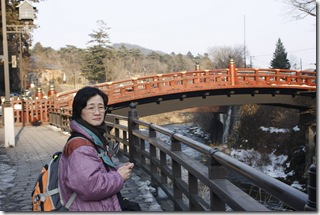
x=93, y=113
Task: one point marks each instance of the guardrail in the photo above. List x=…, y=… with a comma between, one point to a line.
x=182, y=177
x=28, y=112
x=31, y=112
x=188, y=81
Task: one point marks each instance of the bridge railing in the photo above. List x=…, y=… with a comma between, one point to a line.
x=280, y=77
x=182, y=177
x=60, y=117
x=187, y=81
x=190, y=183
x=31, y=112
x=164, y=84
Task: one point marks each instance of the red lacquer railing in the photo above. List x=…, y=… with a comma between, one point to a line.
x=177, y=82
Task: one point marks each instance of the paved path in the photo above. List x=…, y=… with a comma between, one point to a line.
x=20, y=166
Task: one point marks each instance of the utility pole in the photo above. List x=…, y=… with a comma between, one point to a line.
x=251, y=63
x=244, y=43
x=26, y=12
x=5, y=54
x=9, y=139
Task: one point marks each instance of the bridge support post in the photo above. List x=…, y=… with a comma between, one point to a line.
x=312, y=189
x=133, y=140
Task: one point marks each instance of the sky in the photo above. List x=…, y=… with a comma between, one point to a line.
x=181, y=26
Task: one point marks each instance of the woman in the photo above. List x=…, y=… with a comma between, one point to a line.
x=84, y=173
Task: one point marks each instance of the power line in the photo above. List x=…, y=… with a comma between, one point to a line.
x=300, y=50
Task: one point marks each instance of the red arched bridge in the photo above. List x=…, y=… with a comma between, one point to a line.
x=181, y=90
x=184, y=179
x=203, y=88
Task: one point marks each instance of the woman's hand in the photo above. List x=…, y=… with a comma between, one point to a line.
x=125, y=170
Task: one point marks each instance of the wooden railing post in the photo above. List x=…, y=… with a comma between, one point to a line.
x=133, y=140
x=153, y=154
x=216, y=171
x=52, y=92
x=278, y=77
x=135, y=85
x=312, y=189
x=23, y=109
x=176, y=173
x=232, y=71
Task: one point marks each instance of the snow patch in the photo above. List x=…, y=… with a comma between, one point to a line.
x=278, y=130
x=274, y=168
x=296, y=185
x=274, y=130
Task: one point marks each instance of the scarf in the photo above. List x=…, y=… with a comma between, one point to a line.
x=97, y=136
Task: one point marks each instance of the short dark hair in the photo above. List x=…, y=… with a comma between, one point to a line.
x=82, y=97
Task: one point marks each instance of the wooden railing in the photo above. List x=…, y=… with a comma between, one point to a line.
x=183, y=177
x=171, y=83
x=36, y=111
x=32, y=112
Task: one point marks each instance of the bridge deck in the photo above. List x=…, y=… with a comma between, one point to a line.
x=21, y=165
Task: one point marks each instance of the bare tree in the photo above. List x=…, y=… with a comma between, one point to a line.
x=302, y=8
x=220, y=56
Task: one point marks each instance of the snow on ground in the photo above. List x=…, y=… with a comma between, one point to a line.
x=252, y=158
x=278, y=130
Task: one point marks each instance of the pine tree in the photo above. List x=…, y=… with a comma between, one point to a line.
x=93, y=67
x=280, y=60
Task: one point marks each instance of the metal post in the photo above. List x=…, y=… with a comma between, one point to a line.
x=8, y=111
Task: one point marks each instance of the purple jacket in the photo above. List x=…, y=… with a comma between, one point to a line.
x=83, y=172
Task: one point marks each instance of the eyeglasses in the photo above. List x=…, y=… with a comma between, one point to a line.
x=93, y=109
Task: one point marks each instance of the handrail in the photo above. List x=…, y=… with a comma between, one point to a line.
x=161, y=84
x=36, y=111
x=139, y=142
x=174, y=83
x=285, y=193
x=290, y=196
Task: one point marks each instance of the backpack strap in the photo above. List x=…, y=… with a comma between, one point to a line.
x=73, y=144
x=101, y=152
x=43, y=196
x=71, y=200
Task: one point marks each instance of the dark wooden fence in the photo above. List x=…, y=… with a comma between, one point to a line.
x=182, y=177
